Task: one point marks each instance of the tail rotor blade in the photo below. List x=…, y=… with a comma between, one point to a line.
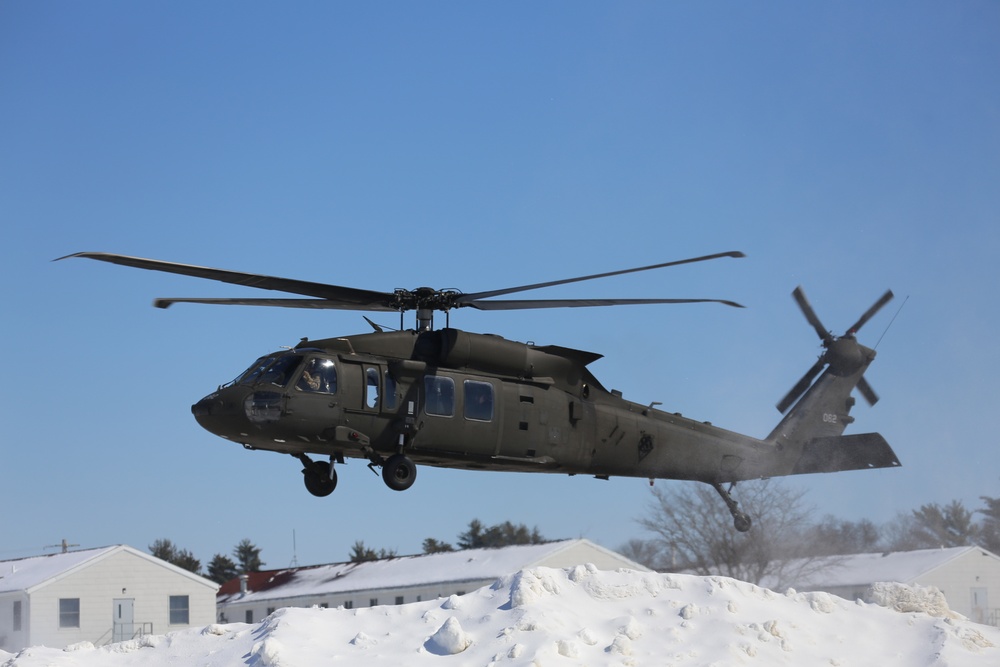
x=807, y=310
x=884, y=299
x=801, y=386
x=867, y=391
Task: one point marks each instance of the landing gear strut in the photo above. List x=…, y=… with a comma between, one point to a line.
x=741, y=521
x=320, y=477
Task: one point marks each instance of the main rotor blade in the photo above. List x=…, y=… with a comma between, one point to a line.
x=357, y=298
x=318, y=304
x=867, y=391
x=807, y=310
x=580, y=303
x=884, y=299
x=801, y=386
x=465, y=298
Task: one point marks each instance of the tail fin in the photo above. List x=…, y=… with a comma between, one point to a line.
x=811, y=433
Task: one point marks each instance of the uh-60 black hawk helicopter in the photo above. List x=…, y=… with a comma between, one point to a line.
x=454, y=399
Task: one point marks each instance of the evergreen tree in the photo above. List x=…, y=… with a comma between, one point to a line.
x=433, y=546
x=166, y=550
x=990, y=532
x=948, y=526
x=222, y=568
x=248, y=557
x=360, y=553
x=501, y=535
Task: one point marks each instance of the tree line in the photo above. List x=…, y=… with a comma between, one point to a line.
x=246, y=555
x=692, y=531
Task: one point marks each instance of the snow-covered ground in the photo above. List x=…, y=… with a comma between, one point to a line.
x=579, y=616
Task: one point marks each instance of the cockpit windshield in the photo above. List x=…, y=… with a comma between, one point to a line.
x=276, y=370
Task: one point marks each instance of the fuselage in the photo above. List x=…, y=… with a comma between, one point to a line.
x=455, y=399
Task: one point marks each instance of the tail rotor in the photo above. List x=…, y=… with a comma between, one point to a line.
x=843, y=354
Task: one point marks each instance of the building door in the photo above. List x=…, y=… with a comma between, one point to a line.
x=124, y=621
x=980, y=605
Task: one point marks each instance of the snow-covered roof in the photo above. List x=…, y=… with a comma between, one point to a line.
x=470, y=565
x=26, y=574
x=863, y=569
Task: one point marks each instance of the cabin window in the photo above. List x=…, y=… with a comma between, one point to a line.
x=319, y=376
x=439, y=396
x=371, y=393
x=348, y=604
x=248, y=616
x=389, y=402
x=478, y=401
x=180, y=610
x=17, y=615
x=69, y=612
x=399, y=599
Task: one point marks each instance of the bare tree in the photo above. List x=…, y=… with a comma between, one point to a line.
x=695, y=532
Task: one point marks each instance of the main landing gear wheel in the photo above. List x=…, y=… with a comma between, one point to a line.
x=320, y=478
x=399, y=472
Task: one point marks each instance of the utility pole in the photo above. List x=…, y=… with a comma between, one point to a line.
x=63, y=545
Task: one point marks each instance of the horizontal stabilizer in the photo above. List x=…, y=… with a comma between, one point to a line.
x=861, y=451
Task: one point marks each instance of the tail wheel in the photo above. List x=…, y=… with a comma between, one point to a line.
x=399, y=472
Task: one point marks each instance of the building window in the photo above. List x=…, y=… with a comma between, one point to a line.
x=179, y=610
x=270, y=610
x=348, y=604
x=324, y=605
x=69, y=612
x=17, y=615
x=248, y=617
x=373, y=602
x=399, y=599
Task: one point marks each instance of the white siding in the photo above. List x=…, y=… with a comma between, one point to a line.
x=956, y=579
x=119, y=575
x=11, y=639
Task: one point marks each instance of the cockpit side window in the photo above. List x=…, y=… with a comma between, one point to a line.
x=318, y=375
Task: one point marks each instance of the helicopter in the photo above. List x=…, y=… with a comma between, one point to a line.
x=454, y=399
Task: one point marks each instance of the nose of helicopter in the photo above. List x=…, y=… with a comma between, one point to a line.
x=221, y=414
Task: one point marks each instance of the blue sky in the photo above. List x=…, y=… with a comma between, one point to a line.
x=845, y=147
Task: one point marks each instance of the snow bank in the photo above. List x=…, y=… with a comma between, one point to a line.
x=580, y=616
x=906, y=598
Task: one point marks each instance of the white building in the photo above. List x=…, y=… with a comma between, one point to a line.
x=400, y=580
x=969, y=577
x=98, y=595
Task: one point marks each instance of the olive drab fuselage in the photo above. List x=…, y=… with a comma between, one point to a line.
x=456, y=399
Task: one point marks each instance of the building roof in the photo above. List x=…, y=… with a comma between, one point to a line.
x=28, y=574
x=864, y=569
x=472, y=565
